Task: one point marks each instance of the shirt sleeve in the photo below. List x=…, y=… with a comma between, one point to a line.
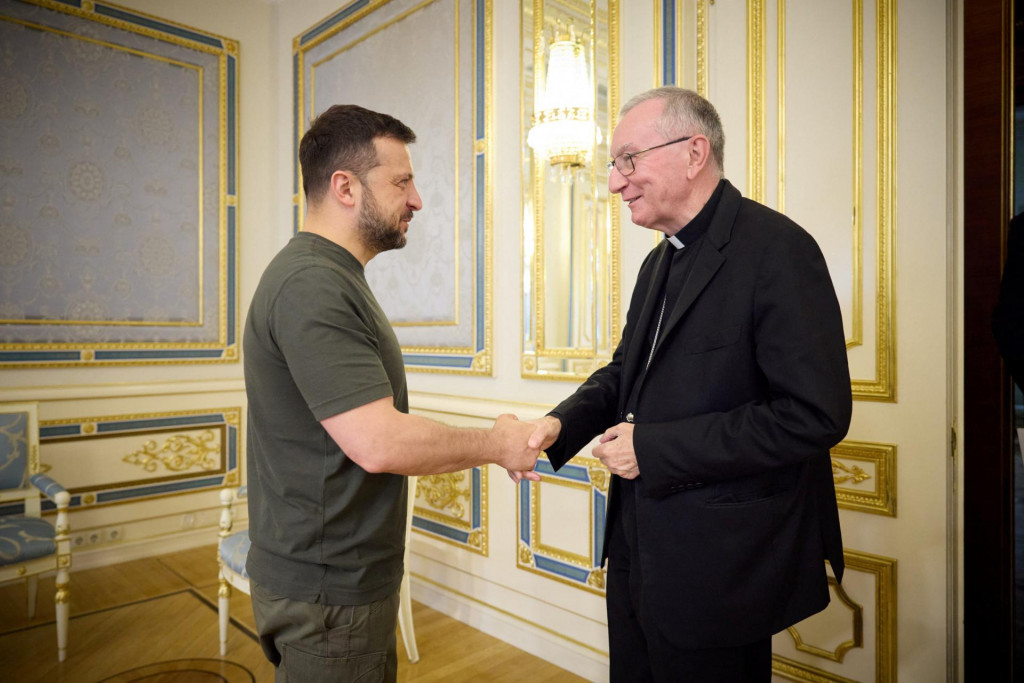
x=325, y=332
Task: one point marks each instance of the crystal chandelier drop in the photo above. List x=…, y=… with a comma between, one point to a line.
x=563, y=129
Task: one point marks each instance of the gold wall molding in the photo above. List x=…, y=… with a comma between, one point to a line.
x=453, y=508
x=584, y=571
x=856, y=629
x=780, y=81
x=857, y=293
x=883, y=386
x=853, y=463
x=186, y=451
x=702, y=48
x=883, y=571
x=179, y=453
x=756, y=111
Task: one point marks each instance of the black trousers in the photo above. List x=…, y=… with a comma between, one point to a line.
x=640, y=654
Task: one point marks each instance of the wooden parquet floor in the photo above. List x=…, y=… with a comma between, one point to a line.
x=155, y=620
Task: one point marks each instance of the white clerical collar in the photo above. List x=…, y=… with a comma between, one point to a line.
x=675, y=242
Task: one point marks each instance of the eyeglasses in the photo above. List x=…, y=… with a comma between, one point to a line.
x=624, y=162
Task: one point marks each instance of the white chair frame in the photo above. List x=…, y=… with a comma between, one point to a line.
x=60, y=560
x=230, y=578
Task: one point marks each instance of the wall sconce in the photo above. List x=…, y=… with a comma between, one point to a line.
x=563, y=129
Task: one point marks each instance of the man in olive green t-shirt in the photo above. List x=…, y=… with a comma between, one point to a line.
x=329, y=434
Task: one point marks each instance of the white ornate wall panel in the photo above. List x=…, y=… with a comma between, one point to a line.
x=428, y=63
x=121, y=458
x=808, y=93
x=118, y=177
x=561, y=523
x=809, y=111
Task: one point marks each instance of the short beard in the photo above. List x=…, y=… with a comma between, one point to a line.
x=376, y=231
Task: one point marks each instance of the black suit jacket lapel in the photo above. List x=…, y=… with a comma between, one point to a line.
x=708, y=260
x=636, y=352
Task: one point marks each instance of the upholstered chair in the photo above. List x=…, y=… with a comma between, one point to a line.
x=234, y=547
x=29, y=544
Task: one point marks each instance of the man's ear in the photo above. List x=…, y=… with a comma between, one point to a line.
x=700, y=154
x=345, y=188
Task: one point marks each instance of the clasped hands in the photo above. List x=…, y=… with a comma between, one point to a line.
x=615, y=449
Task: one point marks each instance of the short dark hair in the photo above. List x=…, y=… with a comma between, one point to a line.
x=341, y=139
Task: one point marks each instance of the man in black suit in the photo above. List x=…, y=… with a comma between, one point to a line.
x=716, y=412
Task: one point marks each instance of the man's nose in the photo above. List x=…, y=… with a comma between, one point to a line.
x=415, y=202
x=616, y=181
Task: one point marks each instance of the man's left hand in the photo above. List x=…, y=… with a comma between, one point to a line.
x=616, y=451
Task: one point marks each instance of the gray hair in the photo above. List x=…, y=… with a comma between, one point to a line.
x=686, y=112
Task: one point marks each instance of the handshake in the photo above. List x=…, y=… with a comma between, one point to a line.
x=519, y=445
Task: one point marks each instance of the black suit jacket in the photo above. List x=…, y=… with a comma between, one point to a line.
x=1008, y=317
x=747, y=390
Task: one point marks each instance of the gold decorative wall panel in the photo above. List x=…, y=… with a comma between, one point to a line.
x=436, y=58
x=125, y=458
x=580, y=489
x=865, y=476
x=854, y=638
x=453, y=507
x=851, y=654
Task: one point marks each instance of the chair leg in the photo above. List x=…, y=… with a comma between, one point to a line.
x=404, y=594
x=32, y=585
x=405, y=621
x=223, y=603
x=61, y=604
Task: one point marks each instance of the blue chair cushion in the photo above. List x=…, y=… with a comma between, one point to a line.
x=25, y=538
x=233, y=551
x=13, y=450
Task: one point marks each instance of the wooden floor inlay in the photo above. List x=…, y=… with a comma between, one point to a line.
x=186, y=671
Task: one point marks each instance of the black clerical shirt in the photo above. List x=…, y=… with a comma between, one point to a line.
x=673, y=280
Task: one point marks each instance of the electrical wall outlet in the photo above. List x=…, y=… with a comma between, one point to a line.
x=92, y=537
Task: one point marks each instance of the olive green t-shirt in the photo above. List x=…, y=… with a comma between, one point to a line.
x=316, y=344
